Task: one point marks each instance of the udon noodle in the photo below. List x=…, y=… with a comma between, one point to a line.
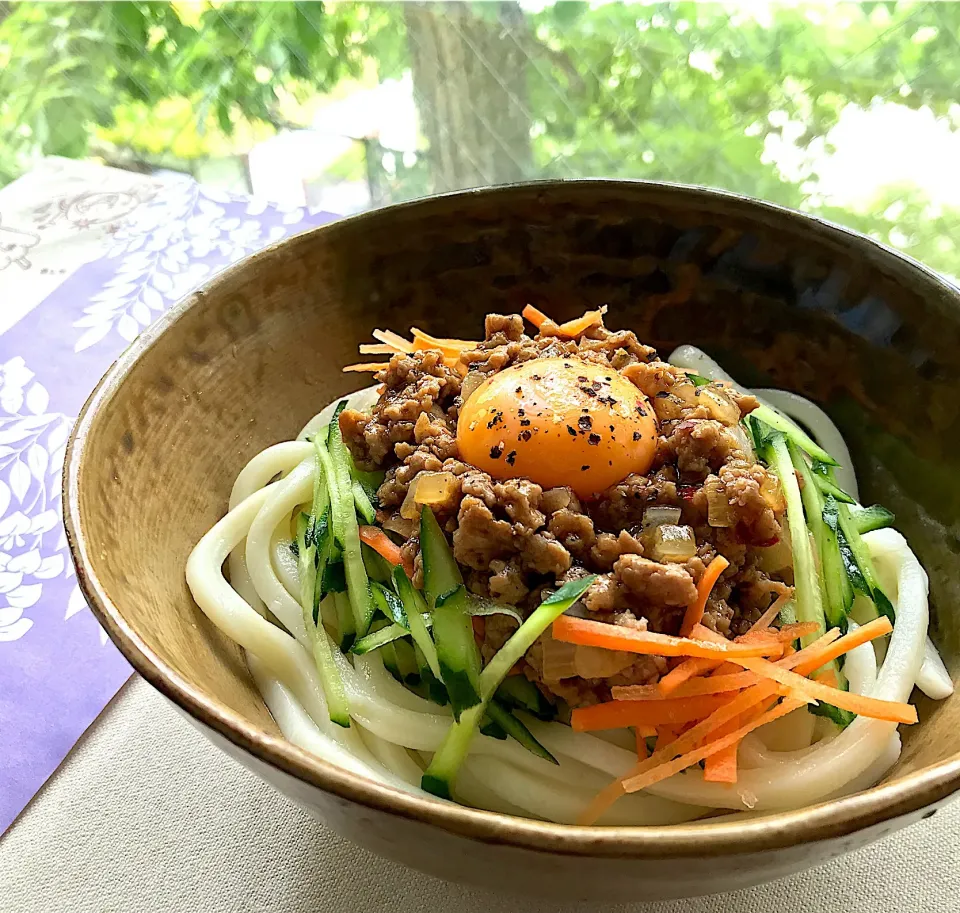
x=794, y=762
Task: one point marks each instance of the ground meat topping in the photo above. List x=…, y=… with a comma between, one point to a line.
x=517, y=542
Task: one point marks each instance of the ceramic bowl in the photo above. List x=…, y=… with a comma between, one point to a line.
x=780, y=299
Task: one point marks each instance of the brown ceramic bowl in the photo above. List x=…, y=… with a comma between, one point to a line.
x=242, y=363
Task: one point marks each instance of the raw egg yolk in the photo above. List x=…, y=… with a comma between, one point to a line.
x=558, y=421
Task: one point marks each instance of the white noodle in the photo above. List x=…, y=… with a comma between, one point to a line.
x=934, y=680
x=391, y=721
x=801, y=410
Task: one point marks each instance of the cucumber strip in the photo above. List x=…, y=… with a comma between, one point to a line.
x=389, y=656
x=864, y=563
x=792, y=431
x=518, y=691
x=345, y=527
x=376, y=639
x=407, y=662
x=345, y=626
x=329, y=675
x=417, y=617
x=491, y=728
x=822, y=476
x=480, y=607
x=833, y=568
x=836, y=593
x=390, y=604
x=523, y=638
x=515, y=728
x=378, y=568
x=439, y=777
x=362, y=503
x=807, y=594
x=842, y=718
x=435, y=689
x=867, y=519
x=457, y=653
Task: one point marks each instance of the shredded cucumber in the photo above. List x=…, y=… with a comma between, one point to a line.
x=439, y=777
x=457, y=654
x=330, y=680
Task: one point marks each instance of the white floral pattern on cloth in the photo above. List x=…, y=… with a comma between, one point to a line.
x=32, y=543
x=112, y=251
x=165, y=249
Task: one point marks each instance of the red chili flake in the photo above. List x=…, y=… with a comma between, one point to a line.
x=687, y=491
x=636, y=435
x=584, y=468
x=768, y=542
x=594, y=439
x=585, y=422
x=512, y=457
x=572, y=431
x=496, y=451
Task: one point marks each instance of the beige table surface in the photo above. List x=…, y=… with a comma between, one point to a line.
x=146, y=816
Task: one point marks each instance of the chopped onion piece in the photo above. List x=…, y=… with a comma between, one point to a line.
x=659, y=516
x=674, y=543
x=593, y=662
x=721, y=407
x=434, y=487
x=403, y=527
x=772, y=493
x=776, y=557
x=739, y=434
x=470, y=384
x=559, y=659
x=719, y=512
x=409, y=510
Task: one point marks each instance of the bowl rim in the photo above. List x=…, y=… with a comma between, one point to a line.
x=827, y=820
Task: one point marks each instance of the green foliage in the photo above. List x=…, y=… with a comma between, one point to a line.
x=684, y=91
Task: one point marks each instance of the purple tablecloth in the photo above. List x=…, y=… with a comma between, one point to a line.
x=89, y=257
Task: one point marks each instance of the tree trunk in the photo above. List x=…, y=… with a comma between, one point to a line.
x=469, y=80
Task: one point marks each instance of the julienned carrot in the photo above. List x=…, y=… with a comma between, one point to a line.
x=770, y=616
x=381, y=543
x=573, y=328
x=668, y=769
x=642, y=751
x=691, y=668
x=786, y=634
x=687, y=670
x=697, y=687
x=721, y=767
x=728, y=677
x=588, y=633
x=423, y=340
x=694, y=612
x=619, y=714
x=393, y=339
x=800, y=687
x=689, y=740
x=813, y=657
x=535, y=316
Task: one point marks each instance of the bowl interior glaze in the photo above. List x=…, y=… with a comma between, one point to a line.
x=779, y=299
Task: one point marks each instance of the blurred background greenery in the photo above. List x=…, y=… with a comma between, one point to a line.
x=846, y=110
